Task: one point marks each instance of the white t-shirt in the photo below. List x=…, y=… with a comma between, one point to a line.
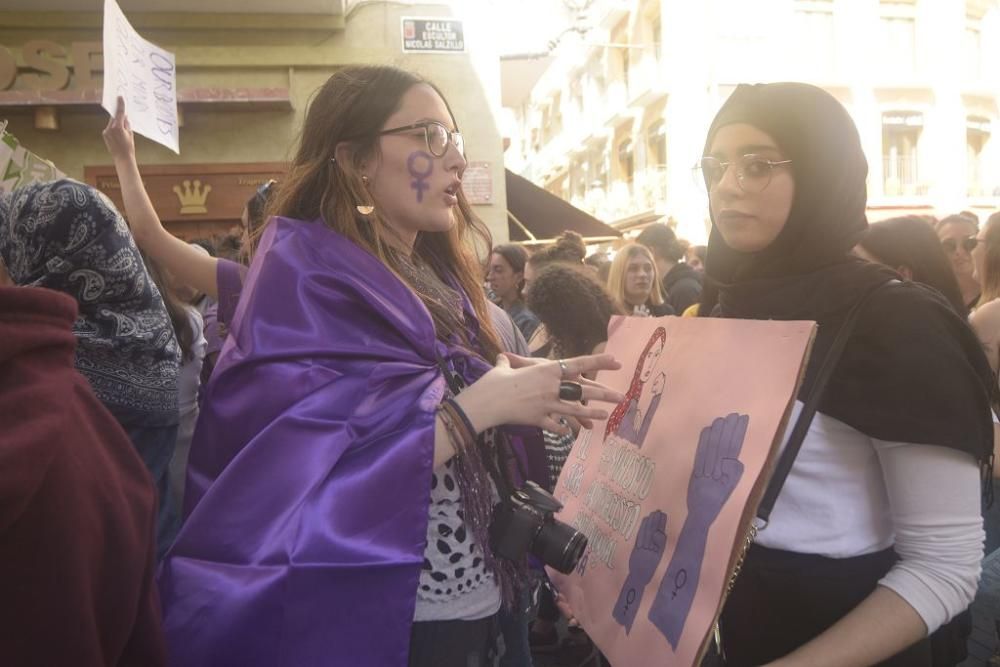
x=849, y=495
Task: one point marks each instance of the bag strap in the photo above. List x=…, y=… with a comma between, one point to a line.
x=811, y=404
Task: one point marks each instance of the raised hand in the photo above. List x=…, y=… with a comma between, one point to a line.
x=118, y=135
x=717, y=470
x=658, y=384
x=650, y=543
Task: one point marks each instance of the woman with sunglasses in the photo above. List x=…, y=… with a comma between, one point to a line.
x=958, y=239
x=875, y=539
x=358, y=424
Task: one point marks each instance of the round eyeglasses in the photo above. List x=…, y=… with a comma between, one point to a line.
x=436, y=135
x=753, y=172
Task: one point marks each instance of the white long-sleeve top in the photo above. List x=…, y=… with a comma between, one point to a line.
x=849, y=495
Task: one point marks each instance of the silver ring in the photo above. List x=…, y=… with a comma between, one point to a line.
x=564, y=368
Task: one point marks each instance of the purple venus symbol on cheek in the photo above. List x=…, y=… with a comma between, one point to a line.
x=420, y=164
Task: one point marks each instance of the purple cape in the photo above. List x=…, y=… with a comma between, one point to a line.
x=309, y=478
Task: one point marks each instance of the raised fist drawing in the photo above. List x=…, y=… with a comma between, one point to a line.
x=716, y=472
x=650, y=543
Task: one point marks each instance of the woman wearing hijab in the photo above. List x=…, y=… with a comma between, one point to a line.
x=67, y=236
x=628, y=420
x=876, y=537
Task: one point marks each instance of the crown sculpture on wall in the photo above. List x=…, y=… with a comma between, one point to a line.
x=192, y=197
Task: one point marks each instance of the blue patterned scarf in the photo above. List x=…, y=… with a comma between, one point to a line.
x=68, y=237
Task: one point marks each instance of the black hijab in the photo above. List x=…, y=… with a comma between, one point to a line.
x=913, y=371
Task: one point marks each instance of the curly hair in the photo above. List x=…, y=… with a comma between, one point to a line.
x=574, y=308
x=569, y=248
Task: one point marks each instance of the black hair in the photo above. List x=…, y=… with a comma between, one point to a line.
x=909, y=241
x=662, y=241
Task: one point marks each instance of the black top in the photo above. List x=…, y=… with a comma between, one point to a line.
x=682, y=287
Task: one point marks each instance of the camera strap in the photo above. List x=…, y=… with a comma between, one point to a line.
x=811, y=404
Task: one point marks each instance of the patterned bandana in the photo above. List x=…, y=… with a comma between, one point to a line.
x=67, y=236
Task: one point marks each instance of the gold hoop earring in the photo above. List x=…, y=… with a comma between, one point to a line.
x=365, y=209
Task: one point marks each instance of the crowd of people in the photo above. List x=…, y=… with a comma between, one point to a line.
x=293, y=454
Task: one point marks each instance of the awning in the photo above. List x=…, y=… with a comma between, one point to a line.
x=535, y=215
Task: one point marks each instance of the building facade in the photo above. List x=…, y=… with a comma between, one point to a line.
x=245, y=72
x=619, y=117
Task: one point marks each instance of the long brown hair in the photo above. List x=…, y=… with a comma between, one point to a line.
x=991, y=268
x=911, y=242
x=176, y=309
x=353, y=106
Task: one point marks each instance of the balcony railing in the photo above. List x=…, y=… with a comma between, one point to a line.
x=900, y=176
x=647, y=190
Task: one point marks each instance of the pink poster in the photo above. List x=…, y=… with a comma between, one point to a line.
x=667, y=487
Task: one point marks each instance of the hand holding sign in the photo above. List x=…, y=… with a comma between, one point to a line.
x=118, y=135
x=144, y=75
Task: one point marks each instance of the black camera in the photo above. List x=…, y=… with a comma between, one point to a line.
x=524, y=523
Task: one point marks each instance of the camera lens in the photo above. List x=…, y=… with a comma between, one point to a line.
x=559, y=545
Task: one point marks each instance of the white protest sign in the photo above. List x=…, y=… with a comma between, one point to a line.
x=144, y=75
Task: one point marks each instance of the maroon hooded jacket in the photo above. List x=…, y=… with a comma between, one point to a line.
x=77, y=508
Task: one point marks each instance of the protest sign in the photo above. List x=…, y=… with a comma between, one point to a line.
x=144, y=75
x=665, y=489
x=19, y=166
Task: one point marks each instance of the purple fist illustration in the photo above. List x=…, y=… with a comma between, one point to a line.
x=717, y=470
x=650, y=543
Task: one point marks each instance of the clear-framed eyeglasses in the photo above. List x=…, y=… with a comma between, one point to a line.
x=753, y=172
x=437, y=136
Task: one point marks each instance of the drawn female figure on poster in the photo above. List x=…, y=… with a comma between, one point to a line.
x=630, y=421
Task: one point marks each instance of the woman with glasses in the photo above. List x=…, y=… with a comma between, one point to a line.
x=958, y=239
x=358, y=425
x=875, y=539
